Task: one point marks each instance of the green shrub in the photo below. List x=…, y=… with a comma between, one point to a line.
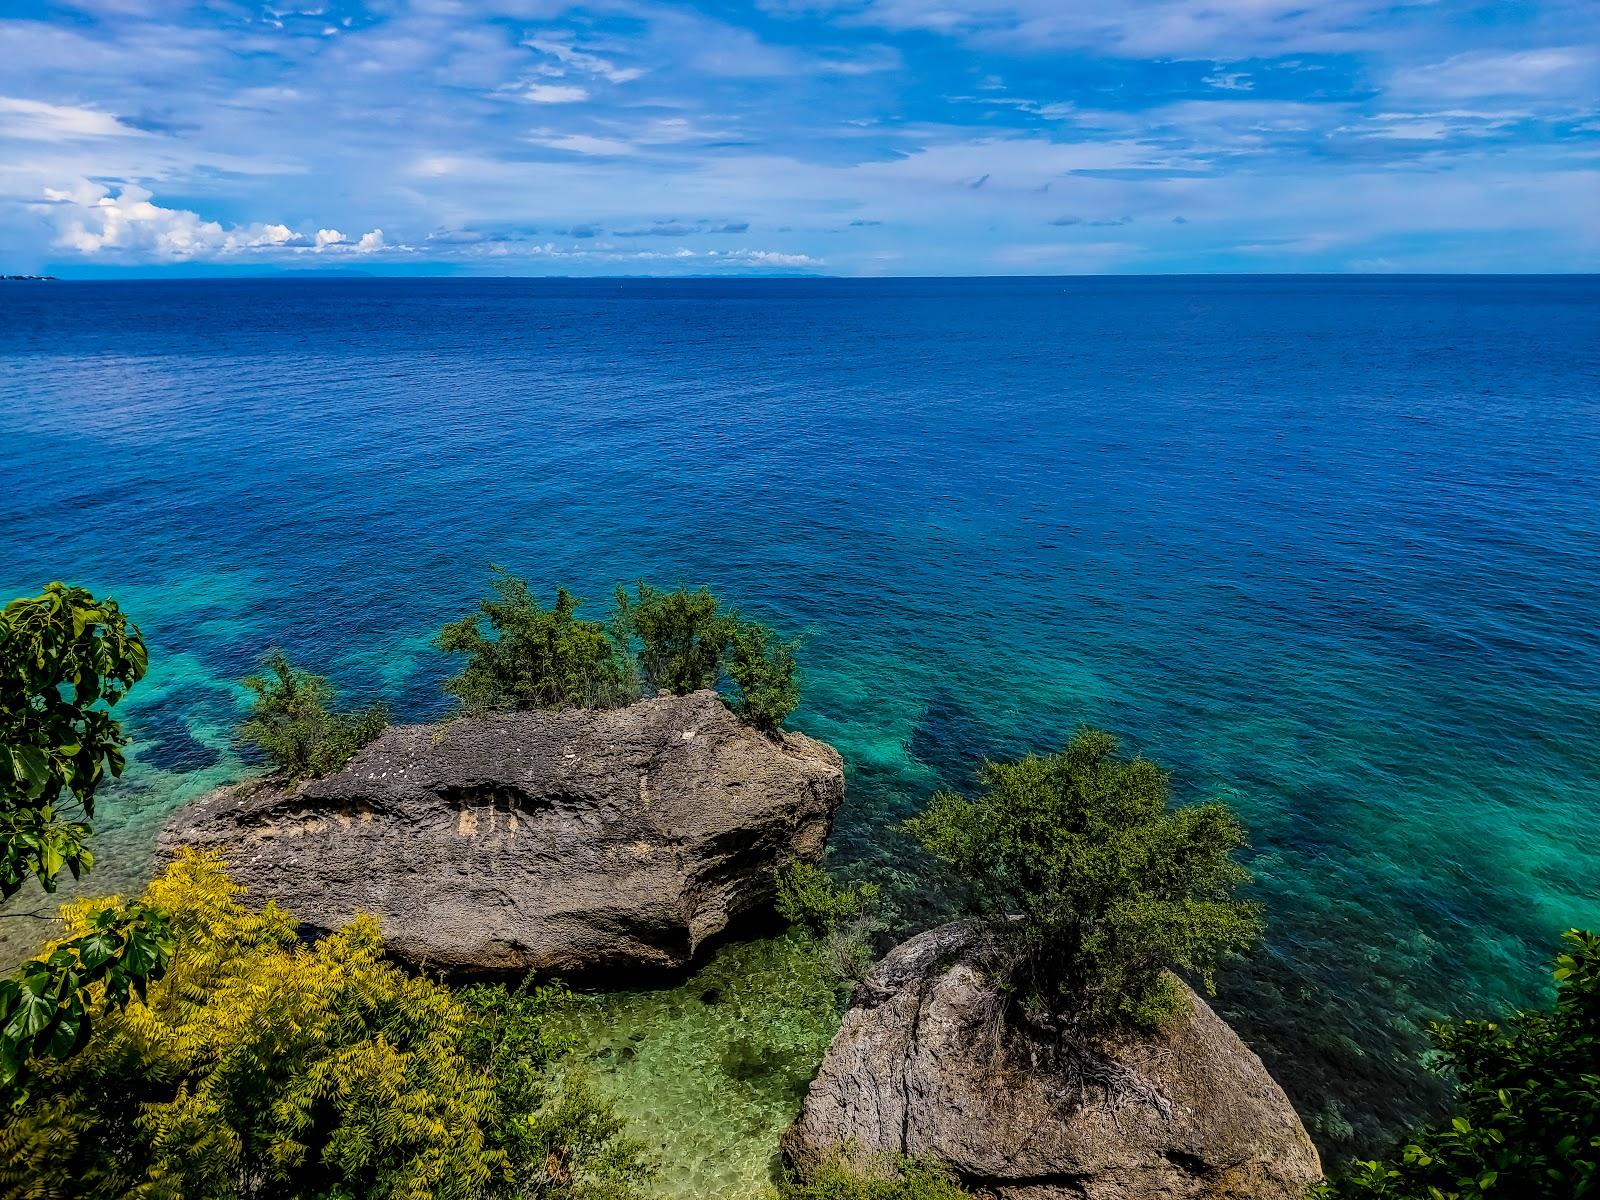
x=261, y=1068
x=1527, y=1101
x=884, y=1178
x=807, y=895
x=290, y=722
x=844, y=918
x=763, y=668
x=681, y=636
x=680, y=641
x=1091, y=886
x=537, y=657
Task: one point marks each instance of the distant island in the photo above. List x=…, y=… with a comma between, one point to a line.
x=28, y=278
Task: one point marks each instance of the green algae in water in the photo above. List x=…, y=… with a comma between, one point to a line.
x=710, y=1073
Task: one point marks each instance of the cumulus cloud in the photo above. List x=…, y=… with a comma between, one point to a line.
x=92, y=221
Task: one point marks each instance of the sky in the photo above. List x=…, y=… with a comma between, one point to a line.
x=837, y=137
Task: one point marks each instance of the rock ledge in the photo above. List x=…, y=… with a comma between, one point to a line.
x=565, y=842
x=912, y=1072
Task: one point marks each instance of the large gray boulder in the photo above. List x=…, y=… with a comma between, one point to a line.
x=566, y=842
x=1188, y=1114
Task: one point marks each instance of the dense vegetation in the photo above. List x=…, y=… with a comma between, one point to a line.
x=536, y=657
x=1091, y=886
x=521, y=655
x=66, y=659
x=182, y=1045
x=291, y=724
x=680, y=636
x=844, y=918
x=262, y=1067
x=885, y=1178
x=1527, y=1104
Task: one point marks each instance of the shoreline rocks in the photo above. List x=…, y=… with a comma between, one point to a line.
x=914, y=1070
x=571, y=842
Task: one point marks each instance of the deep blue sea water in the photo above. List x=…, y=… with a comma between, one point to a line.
x=1328, y=548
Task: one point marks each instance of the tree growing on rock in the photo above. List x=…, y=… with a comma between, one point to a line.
x=291, y=723
x=1091, y=886
x=681, y=636
x=532, y=656
x=679, y=641
x=762, y=666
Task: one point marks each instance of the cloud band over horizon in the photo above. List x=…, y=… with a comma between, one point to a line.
x=852, y=137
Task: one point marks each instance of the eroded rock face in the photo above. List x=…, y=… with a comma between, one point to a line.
x=568, y=842
x=912, y=1071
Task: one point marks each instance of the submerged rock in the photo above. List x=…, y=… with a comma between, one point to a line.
x=1190, y=1114
x=567, y=842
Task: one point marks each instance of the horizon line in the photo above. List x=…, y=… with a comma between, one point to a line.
x=334, y=275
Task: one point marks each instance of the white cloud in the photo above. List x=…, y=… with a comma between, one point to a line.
x=553, y=93
x=34, y=120
x=560, y=47
x=583, y=143
x=1229, y=81
x=1563, y=72
x=1226, y=29
x=773, y=258
x=92, y=221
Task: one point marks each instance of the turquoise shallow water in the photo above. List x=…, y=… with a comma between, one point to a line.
x=1328, y=548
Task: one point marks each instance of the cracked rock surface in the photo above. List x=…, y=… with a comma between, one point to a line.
x=568, y=842
x=914, y=1071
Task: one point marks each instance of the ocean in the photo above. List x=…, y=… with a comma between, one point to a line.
x=1327, y=548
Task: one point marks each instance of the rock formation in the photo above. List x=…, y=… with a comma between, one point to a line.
x=914, y=1070
x=567, y=842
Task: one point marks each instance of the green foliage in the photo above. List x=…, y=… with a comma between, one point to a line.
x=537, y=658
x=845, y=918
x=261, y=1067
x=808, y=895
x=62, y=653
x=678, y=641
x=45, y=1006
x=1527, y=1120
x=681, y=636
x=886, y=1177
x=1091, y=885
x=65, y=660
x=763, y=667
x=291, y=724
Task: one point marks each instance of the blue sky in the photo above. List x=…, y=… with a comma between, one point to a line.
x=849, y=137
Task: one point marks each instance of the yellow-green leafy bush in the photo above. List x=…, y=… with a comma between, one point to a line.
x=262, y=1067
